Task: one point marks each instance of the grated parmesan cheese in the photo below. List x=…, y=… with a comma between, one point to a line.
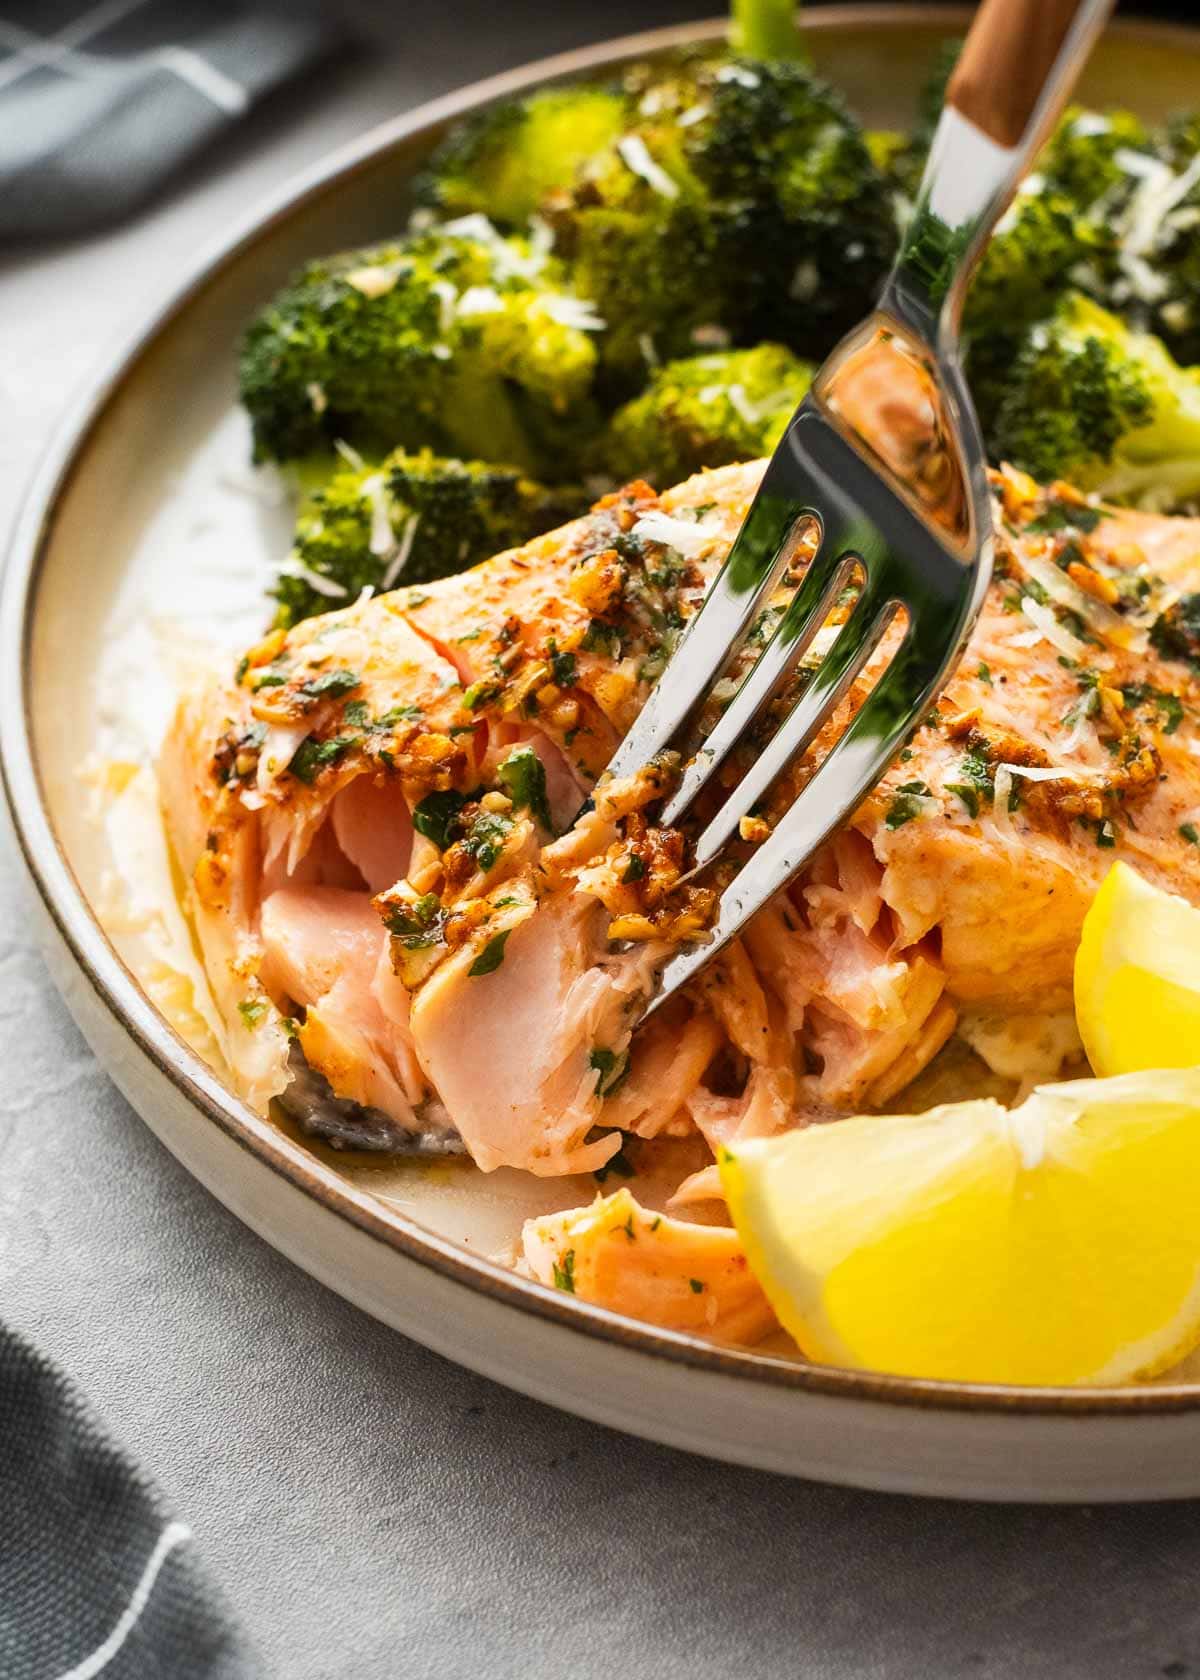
x=400, y=559
x=383, y=538
x=480, y=300
x=635, y=155
x=571, y=311
x=683, y=535
x=1060, y=588
x=293, y=566
x=1050, y=630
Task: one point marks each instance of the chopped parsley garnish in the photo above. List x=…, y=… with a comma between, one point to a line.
x=252, y=1011
x=635, y=869
x=479, y=694
x=602, y=638
x=331, y=684
x=484, y=840
x=611, y=1067
x=968, y=794
x=1190, y=833
x=1169, y=706
x=355, y=713
x=311, y=757
x=695, y=1285
x=563, y=669
x=907, y=804
x=523, y=777
x=417, y=923
x=975, y=772
x=490, y=958
x=564, y=1275
x=434, y=816
x=984, y=674
x=397, y=714
x=1175, y=633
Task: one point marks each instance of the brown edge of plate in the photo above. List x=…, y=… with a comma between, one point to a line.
x=115, y=985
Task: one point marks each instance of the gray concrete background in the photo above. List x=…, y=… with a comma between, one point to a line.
x=371, y=1510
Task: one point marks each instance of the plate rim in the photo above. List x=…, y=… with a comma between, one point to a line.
x=115, y=986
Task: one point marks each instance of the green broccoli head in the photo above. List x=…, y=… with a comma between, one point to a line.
x=805, y=217
x=456, y=337
x=1085, y=157
x=1040, y=247
x=705, y=411
x=509, y=157
x=1091, y=400
x=410, y=519
x=737, y=200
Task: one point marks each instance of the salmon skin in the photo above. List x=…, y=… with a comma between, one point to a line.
x=374, y=815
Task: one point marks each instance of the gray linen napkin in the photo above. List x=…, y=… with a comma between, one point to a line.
x=102, y=100
x=96, y=1575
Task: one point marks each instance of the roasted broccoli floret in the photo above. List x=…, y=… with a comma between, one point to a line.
x=704, y=411
x=1091, y=400
x=456, y=338
x=738, y=201
x=405, y=521
x=506, y=159
x=1087, y=156
x=746, y=206
x=805, y=218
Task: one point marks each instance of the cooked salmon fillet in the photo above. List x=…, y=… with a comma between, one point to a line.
x=374, y=814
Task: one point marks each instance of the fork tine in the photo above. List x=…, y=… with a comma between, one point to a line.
x=827, y=575
x=850, y=769
x=716, y=631
x=857, y=640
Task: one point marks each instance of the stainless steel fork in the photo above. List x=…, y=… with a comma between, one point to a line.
x=885, y=455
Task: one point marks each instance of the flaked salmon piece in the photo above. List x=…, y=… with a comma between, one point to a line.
x=664, y=1271
x=322, y=948
x=667, y=1063
x=1063, y=740
x=221, y=865
x=373, y=828
x=522, y=1084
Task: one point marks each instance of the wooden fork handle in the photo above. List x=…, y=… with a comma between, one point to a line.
x=1005, y=61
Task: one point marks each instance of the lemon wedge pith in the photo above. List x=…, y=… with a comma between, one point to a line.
x=1137, y=977
x=1056, y=1243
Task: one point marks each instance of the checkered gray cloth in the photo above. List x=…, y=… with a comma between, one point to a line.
x=101, y=102
x=96, y=1575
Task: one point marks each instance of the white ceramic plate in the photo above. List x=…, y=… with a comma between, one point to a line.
x=145, y=532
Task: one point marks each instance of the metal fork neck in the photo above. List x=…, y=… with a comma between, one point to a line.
x=969, y=180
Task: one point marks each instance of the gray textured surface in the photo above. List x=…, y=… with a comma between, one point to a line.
x=372, y=1510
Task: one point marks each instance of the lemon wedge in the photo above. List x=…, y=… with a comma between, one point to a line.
x=1058, y=1242
x=1137, y=977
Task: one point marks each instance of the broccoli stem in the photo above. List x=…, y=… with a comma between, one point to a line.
x=766, y=29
